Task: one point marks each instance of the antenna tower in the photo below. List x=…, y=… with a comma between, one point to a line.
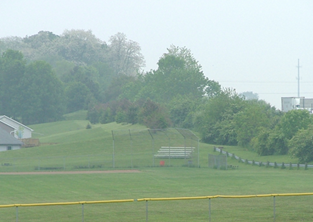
x=298, y=78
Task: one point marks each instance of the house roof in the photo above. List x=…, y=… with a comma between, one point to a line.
x=6, y=124
x=5, y=117
x=7, y=139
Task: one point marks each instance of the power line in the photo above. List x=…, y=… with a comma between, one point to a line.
x=275, y=82
x=284, y=93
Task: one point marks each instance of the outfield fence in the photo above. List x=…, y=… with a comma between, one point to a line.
x=142, y=146
x=147, y=200
x=130, y=149
x=252, y=162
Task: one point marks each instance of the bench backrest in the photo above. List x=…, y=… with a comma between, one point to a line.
x=175, y=152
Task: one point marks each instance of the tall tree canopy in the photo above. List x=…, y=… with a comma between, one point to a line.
x=79, y=47
x=178, y=73
x=215, y=120
x=125, y=55
x=42, y=96
x=251, y=120
x=295, y=120
x=301, y=145
x=31, y=93
x=12, y=69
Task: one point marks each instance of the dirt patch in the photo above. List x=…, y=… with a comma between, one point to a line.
x=69, y=172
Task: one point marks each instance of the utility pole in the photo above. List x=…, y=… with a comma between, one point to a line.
x=298, y=78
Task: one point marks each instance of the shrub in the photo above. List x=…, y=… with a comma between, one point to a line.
x=154, y=116
x=120, y=117
x=88, y=126
x=223, y=168
x=301, y=144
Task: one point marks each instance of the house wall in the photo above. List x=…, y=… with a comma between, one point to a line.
x=5, y=147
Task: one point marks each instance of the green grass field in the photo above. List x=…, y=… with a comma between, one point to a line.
x=70, y=138
x=161, y=182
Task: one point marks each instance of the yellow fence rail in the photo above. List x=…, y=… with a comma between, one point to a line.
x=225, y=196
x=146, y=200
x=66, y=203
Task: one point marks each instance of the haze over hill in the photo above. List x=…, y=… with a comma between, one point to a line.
x=247, y=45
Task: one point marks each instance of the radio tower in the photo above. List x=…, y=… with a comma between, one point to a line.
x=298, y=78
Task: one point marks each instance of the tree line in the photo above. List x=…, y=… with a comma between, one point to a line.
x=45, y=75
x=81, y=66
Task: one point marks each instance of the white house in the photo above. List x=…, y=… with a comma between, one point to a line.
x=8, y=142
x=15, y=128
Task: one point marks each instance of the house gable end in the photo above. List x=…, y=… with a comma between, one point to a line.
x=3, y=118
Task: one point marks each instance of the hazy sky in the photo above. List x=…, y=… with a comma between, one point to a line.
x=249, y=45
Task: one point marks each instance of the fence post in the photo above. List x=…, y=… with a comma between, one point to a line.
x=82, y=212
x=274, y=208
x=88, y=161
x=198, y=155
x=131, y=149
x=169, y=151
x=153, y=152
x=63, y=163
x=152, y=141
x=209, y=209
x=16, y=212
x=113, y=155
x=146, y=211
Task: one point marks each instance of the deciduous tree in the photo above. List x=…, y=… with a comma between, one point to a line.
x=125, y=55
x=77, y=95
x=214, y=120
x=12, y=69
x=301, y=145
x=42, y=99
x=293, y=121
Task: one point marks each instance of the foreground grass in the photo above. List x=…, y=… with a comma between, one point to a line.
x=161, y=182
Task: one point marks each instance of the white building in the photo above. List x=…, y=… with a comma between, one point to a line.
x=8, y=142
x=15, y=128
x=290, y=103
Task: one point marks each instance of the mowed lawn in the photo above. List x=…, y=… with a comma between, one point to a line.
x=161, y=182
x=70, y=141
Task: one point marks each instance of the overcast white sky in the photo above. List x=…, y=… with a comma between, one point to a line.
x=249, y=45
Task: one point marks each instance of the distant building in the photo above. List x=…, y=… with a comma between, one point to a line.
x=8, y=142
x=291, y=103
x=15, y=128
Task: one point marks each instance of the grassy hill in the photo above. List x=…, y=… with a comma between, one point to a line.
x=68, y=145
